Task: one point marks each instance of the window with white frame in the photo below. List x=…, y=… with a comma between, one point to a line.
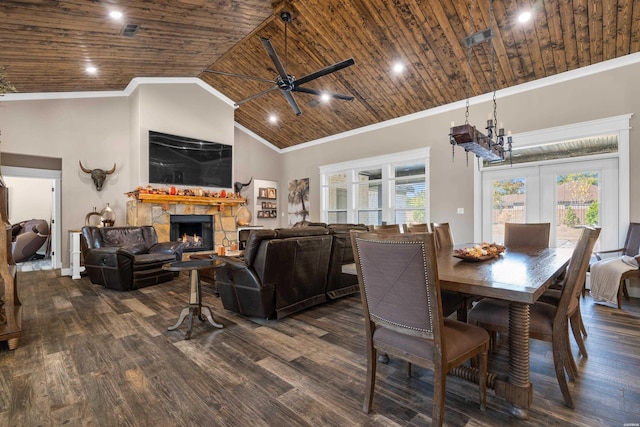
x=386, y=189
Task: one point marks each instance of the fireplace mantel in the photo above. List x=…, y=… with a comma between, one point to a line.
x=190, y=200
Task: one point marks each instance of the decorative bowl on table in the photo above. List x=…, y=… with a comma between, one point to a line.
x=480, y=252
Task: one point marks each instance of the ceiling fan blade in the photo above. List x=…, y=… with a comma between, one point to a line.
x=317, y=92
x=327, y=70
x=266, y=43
x=292, y=102
x=264, y=92
x=260, y=79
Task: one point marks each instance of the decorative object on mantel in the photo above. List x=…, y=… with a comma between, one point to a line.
x=238, y=186
x=98, y=175
x=490, y=147
x=194, y=196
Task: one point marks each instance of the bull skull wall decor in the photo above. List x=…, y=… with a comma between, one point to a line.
x=98, y=175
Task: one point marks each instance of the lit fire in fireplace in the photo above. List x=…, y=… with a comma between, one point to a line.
x=186, y=238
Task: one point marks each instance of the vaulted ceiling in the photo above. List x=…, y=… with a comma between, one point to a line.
x=46, y=45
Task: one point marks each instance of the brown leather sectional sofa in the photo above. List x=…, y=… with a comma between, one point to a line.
x=287, y=270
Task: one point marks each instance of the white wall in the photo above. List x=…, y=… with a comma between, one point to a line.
x=29, y=198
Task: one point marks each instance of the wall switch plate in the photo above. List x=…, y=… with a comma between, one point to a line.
x=460, y=211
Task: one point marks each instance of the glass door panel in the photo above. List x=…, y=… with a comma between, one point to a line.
x=508, y=196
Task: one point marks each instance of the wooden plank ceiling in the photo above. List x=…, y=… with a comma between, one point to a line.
x=47, y=43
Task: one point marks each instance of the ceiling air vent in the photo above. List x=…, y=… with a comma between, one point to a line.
x=129, y=30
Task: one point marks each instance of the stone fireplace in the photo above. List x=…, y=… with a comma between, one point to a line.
x=195, y=231
x=223, y=219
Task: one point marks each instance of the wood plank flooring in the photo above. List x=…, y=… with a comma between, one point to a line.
x=92, y=356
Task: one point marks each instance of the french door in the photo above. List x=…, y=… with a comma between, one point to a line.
x=568, y=195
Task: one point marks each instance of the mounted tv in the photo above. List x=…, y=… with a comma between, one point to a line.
x=178, y=160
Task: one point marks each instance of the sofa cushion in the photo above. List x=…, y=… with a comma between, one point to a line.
x=283, y=233
x=135, y=248
x=253, y=243
x=123, y=236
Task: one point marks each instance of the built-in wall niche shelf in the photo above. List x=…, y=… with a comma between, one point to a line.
x=188, y=200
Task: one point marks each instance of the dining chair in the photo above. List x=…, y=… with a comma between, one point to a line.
x=443, y=234
x=630, y=248
x=536, y=236
x=452, y=302
x=387, y=228
x=417, y=228
x=400, y=291
x=531, y=235
x=548, y=322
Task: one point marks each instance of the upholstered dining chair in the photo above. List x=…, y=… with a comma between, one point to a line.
x=531, y=235
x=417, y=228
x=536, y=236
x=400, y=291
x=443, y=234
x=548, y=322
x=386, y=229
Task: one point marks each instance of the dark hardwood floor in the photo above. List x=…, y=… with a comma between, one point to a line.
x=92, y=356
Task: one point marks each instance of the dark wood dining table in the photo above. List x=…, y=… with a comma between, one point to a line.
x=518, y=276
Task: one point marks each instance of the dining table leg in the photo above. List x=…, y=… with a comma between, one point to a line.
x=520, y=390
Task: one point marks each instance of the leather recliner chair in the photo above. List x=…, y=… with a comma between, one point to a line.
x=127, y=258
x=27, y=237
x=283, y=271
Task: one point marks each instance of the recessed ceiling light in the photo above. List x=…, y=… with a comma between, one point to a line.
x=325, y=97
x=398, y=67
x=115, y=14
x=273, y=118
x=91, y=69
x=524, y=16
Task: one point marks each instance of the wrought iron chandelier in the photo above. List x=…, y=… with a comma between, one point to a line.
x=491, y=147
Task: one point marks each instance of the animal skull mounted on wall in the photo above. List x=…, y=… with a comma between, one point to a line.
x=98, y=175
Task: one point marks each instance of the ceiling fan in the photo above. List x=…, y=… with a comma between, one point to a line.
x=286, y=82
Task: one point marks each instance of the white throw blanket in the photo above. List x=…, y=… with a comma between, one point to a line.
x=605, y=277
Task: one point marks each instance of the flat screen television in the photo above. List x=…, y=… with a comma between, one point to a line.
x=178, y=160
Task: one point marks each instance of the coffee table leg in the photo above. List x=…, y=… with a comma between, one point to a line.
x=206, y=312
x=183, y=314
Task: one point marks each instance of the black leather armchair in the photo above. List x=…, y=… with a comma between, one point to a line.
x=283, y=271
x=126, y=258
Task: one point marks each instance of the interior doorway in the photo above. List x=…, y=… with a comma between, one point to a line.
x=35, y=194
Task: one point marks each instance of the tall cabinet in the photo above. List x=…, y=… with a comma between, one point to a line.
x=11, y=310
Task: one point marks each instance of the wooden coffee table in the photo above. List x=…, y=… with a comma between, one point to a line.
x=195, y=307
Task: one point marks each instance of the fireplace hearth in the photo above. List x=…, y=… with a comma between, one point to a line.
x=195, y=231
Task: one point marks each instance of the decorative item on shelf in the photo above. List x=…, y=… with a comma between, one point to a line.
x=491, y=147
x=107, y=216
x=93, y=218
x=243, y=215
x=98, y=175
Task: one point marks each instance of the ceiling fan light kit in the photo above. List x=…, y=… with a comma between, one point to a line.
x=286, y=82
